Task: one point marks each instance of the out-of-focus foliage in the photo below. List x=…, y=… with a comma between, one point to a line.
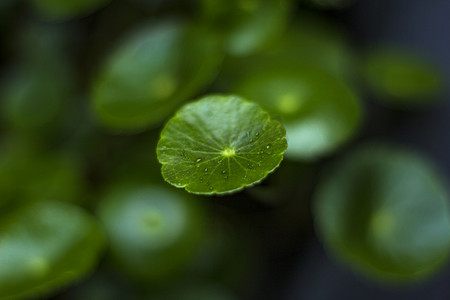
x=59, y=10
x=85, y=90
x=29, y=174
x=318, y=110
x=39, y=88
x=153, y=231
x=402, y=79
x=385, y=211
x=153, y=71
x=45, y=246
x=220, y=144
x=247, y=26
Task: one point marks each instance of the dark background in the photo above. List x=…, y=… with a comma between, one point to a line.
x=423, y=27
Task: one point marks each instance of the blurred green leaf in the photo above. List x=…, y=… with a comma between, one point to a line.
x=60, y=10
x=248, y=26
x=27, y=173
x=45, y=246
x=40, y=85
x=220, y=144
x=152, y=72
x=401, y=78
x=319, y=111
x=385, y=212
x=153, y=231
x=196, y=291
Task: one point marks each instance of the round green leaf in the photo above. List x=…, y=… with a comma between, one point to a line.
x=401, y=78
x=153, y=231
x=248, y=26
x=385, y=212
x=318, y=41
x=44, y=247
x=220, y=144
x=153, y=71
x=67, y=9
x=318, y=110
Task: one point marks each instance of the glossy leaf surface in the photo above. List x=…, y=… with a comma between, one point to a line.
x=385, y=212
x=220, y=144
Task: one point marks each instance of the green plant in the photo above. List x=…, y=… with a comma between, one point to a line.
x=220, y=144
x=186, y=149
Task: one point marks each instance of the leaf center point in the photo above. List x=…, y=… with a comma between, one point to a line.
x=228, y=152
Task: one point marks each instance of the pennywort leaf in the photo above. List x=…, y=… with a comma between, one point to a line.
x=153, y=230
x=400, y=78
x=155, y=69
x=320, y=112
x=46, y=246
x=385, y=212
x=220, y=144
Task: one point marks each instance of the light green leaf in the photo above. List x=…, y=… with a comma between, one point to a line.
x=319, y=111
x=401, y=78
x=44, y=247
x=385, y=212
x=248, y=26
x=153, y=231
x=220, y=144
x=152, y=72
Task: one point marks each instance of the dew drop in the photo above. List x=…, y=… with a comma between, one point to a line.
x=223, y=172
x=206, y=169
x=268, y=146
x=198, y=160
x=211, y=188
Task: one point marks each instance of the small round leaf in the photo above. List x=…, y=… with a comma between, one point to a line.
x=402, y=79
x=320, y=112
x=44, y=247
x=155, y=69
x=220, y=144
x=154, y=231
x=385, y=212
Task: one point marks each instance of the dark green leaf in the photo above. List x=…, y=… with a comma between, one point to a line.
x=153, y=231
x=67, y=9
x=154, y=70
x=319, y=111
x=44, y=247
x=401, y=78
x=248, y=25
x=385, y=212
